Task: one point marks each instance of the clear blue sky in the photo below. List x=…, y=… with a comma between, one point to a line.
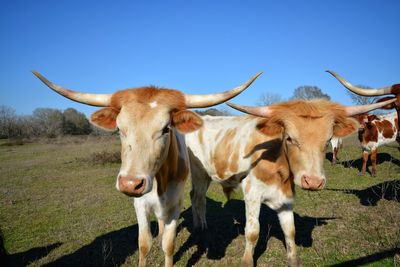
x=194, y=46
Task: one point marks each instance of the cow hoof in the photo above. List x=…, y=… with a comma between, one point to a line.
x=247, y=263
x=360, y=174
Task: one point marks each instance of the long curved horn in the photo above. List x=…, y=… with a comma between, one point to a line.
x=354, y=110
x=366, y=92
x=256, y=111
x=207, y=100
x=99, y=100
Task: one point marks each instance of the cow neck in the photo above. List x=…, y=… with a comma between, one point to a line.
x=271, y=165
x=173, y=169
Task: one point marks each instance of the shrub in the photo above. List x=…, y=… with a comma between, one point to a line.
x=105, y=157
x=14, y=142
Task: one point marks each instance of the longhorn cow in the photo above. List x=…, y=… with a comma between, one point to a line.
x=266, y=154
x=154, y=156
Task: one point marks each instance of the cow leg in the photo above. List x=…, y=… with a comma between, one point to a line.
x=145, y=236
x=168, y=242
x=168, y=237
x=334, y=156
x=373, y=161
x=252, y=229
x=286, y=220
x=364, y=164
x=200, y=184
x=160, y=227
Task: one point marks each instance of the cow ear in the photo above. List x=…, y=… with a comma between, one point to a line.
x=372, y=118
x=105, y=118
x=345, y=127
x=186, y=121
x=270, y=127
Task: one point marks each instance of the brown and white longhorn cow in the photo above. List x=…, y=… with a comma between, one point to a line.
x=154, y=156
x=267, y=155
x=375, y=130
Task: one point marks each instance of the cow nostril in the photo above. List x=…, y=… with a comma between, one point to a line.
x=322, y=184
x=139, y=185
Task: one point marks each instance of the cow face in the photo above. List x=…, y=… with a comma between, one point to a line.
x=146, y=126
x=367, y=130
x=305, y=127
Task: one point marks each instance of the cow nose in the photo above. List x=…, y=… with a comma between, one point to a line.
x=312, y=182
x=132, y=186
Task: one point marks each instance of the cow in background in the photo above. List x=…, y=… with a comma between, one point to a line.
x=154, y=156
x=266, y=155
x=376, y=130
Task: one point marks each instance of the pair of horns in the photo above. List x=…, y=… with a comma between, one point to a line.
x=192, y=101
x=350, y=110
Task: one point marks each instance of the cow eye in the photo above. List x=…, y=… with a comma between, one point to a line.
x=328, y=141
x=291, y=141
x=166, y=129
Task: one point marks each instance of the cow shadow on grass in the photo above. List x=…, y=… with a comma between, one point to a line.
x=389, y=253
x=357, y=163
x=370, y=196
x=23, y=258
x=226, y=222
x=111, y=249
x=26, y=257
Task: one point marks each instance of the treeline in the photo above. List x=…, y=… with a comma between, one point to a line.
x=44, y=122
x=48, y=122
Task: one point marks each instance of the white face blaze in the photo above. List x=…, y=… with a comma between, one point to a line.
x=153, y=104
x=145, y=139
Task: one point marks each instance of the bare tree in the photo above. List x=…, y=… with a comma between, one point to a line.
x=49, y=121
x=8, y=120
x=213, y=112
x=267, y=99
x=309, y=92
x=361, y=100
x=26, y=127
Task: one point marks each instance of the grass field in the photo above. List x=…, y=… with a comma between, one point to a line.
x=59, y=207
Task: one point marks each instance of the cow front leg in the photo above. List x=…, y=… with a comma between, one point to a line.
x=145, y=236
x=252, y=229
x=374, y=155
x=364, y=164
x=286, y=220
x=161, y=225
x=168, y=242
